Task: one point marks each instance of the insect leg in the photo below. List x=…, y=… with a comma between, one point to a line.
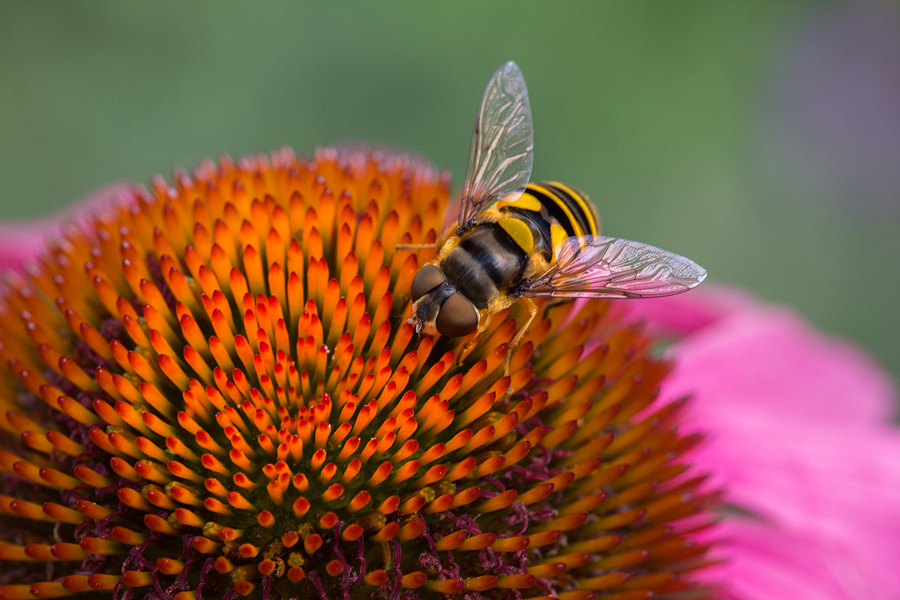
x=551, y=305
x=415, y=341
x=388, y=556
x=529, y=303
x=415, y=246
x=470, y=345
x=436, y=245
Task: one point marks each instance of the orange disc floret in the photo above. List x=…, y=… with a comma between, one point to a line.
x=212, y=391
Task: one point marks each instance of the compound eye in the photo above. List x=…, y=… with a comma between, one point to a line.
x=457, y=317
x=428, y=278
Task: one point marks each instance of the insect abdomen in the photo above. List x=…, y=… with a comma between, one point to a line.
x=568, y=206
x=558, y=204
x=486, y=263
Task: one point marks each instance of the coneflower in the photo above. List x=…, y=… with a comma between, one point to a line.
x=213, y=391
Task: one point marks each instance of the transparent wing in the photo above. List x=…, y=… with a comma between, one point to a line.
x=605, y=267
x=500, y=155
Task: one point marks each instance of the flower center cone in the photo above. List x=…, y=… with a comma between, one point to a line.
x=213, y=391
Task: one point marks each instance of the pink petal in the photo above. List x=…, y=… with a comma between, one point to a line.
x=771, y=564
x=760, y=358
x=22, y=241
x=19, y=242
x=835, y=489
x=688, y=313
x=798, y=436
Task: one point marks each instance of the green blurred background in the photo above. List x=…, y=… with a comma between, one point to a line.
x=760, y=139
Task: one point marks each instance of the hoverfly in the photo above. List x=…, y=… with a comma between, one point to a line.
x=515, y=241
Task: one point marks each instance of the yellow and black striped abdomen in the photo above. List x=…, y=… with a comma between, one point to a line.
x=569, y=207
x=552, y=211
x=515, y=237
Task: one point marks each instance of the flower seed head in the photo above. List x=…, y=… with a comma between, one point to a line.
x=213, y=391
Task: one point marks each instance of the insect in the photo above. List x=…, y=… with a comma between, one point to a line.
x=514, y=241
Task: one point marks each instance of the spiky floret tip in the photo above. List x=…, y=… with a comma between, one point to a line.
x=212, y=391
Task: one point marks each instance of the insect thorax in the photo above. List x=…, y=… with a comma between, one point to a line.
x=484, y=264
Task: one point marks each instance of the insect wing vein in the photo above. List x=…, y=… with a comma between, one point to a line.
x=500, y=155
x=605, y=267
